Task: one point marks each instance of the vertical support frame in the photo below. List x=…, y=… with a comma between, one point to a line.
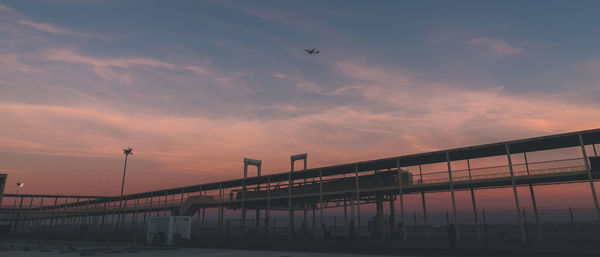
x=457, y=227
x=514, y=186
x=588, y=168
x=401, y=196
x=247, y=162
x=293, y=158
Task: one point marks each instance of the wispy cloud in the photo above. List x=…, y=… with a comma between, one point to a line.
x=496, y=46
x=11, y=15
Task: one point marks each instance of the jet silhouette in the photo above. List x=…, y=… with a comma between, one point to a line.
x=311, y=51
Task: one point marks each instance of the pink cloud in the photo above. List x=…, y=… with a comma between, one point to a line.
x=498, y=47
x=15, y=17
x=54, y=29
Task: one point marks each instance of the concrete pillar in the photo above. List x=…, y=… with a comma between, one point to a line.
x=401, y=197
x=456, y=225
x=590, y=177
x=514, y=186
x=475, y=218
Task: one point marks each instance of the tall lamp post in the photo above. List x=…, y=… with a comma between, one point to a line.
x=127, y=152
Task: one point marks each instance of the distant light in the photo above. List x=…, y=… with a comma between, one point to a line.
x=20, y=184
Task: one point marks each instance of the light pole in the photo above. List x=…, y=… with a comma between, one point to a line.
x=19, y=185
x=127, y=152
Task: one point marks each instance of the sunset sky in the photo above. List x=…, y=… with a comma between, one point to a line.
x=196, y=86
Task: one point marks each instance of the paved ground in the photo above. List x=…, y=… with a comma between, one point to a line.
x=181, y=252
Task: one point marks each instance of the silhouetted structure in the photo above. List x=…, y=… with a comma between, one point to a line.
x=349, y=185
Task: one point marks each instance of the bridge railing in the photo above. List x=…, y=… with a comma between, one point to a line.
x=521, y=169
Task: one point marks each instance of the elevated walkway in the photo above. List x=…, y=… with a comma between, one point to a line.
x=193, y=203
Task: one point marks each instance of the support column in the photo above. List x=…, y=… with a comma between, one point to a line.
x=392, y=224
x=293, y=158
x=290, y=207
x=535, y=210
x=347, y=229
x=457, y=227
x=86, y=213
x=53, y=215
x=166, y=201
x=514, y=186
x=257, y=216
x=62, y=222
x=401, y=197
x=220, y=212
x=148, y=207
x=475, y=218
x=424, y=206
x=268, y=211
x=256, y=163
x=243, y=207
x=357, y=201
x=125, y=207
x=380, y=215
x=321, y=204
x=39, y=217
x=135, y=212
x=352, y=223
x=305, y=226
x=203, y=218
x=314, y=221
x=590, y=177
x=104, y=217
x=18, y=222
x=75, y=217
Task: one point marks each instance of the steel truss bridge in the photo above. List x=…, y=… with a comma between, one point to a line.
x=349, y=185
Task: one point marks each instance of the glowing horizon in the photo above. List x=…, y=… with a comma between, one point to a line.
x=197, y=86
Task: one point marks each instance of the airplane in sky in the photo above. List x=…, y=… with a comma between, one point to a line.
x=311, y=51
